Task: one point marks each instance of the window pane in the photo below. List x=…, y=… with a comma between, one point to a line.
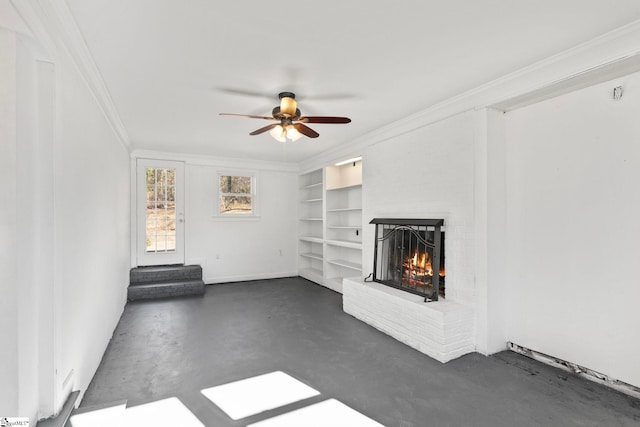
x=235, y=184
x=161, y=227
x=151, y=176
x=151, y=243
x=151, y=193
x=235, y=204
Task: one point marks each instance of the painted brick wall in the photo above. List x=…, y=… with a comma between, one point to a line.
x=427, y=173
x=442, y=330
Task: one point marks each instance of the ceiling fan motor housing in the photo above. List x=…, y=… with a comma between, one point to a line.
x=288, y=105
x=278, y=114
x=286, y=95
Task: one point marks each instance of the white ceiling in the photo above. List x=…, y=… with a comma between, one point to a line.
x=172, y=66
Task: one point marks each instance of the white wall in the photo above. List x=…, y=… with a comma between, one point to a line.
x=64, y=230
x=427, y=173
x=573, y=168
x=9, y=302
x=92, y=227
x=22, y=221
x=242, y=249
x=27, y=229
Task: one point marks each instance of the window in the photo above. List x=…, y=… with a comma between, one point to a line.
x=237, y=194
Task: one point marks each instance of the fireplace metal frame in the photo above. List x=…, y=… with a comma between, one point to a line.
x=410, y=224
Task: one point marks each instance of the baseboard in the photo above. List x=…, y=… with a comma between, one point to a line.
x=586, y=373
x=248, y=277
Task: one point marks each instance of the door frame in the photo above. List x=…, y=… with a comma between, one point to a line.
x=139, y=255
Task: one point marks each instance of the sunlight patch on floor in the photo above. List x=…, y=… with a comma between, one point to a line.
x=106, y=417
x=328, y=413
x=166, y=412
x=254, y=395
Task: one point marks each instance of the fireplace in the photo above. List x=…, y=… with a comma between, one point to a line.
x=409, y=255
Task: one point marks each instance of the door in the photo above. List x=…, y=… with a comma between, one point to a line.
x=160, y=212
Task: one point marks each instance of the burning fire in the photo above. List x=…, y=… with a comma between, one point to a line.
x=418, y=270
x=422, y=263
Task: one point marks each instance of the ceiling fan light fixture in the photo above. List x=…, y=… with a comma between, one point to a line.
x=292, y=133
x=279, y=133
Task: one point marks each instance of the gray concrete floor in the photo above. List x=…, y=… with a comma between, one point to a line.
x=175, y=348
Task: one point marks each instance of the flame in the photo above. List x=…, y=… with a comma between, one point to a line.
x=422, y=262
x=418, y=270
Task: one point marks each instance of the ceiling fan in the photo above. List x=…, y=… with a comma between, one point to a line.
x=289, y=122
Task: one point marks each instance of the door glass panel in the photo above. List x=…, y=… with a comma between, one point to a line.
x=161, y=210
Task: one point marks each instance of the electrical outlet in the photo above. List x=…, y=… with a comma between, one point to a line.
x=280, y=251
x=217, y=256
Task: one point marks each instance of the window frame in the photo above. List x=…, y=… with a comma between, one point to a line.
x=253, y=195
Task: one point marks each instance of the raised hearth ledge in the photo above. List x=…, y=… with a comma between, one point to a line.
x=442, y=329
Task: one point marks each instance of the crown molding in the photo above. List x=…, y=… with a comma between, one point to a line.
x=581, y=66
x=53, y=25
x=225, y=162
x=28, y=13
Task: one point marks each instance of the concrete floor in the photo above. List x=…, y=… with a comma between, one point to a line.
x=175, y=348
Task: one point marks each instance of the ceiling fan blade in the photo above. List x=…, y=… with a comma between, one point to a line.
x=305, y=130
x=324, y=119
x=248, y=115
x=263, y=129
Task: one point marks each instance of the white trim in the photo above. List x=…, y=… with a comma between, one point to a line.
x=254, y=195
x=223, y=162
x=249, y=277
x=133, y=248
x=159, y=258
x=54, y=26
x=31, y=17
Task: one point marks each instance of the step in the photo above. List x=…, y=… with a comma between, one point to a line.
x=104, y=415
x=164, y=273
x=165, y=289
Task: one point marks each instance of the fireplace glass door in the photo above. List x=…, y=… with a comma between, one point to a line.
x=409, y=255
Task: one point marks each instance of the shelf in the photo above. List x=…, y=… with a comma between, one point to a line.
x=330, y=220
x=314, y=185
x=344, y=188
x=344, y=210
x=312, y=255
x=347, y=264
x=345, y=244
x=311, y=239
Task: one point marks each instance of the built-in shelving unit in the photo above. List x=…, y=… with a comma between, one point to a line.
x=311, y=226
x=330, y=238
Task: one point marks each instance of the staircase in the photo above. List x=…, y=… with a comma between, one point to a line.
x=165, y=281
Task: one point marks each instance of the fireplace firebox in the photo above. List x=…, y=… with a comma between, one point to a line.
x=409, y=255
